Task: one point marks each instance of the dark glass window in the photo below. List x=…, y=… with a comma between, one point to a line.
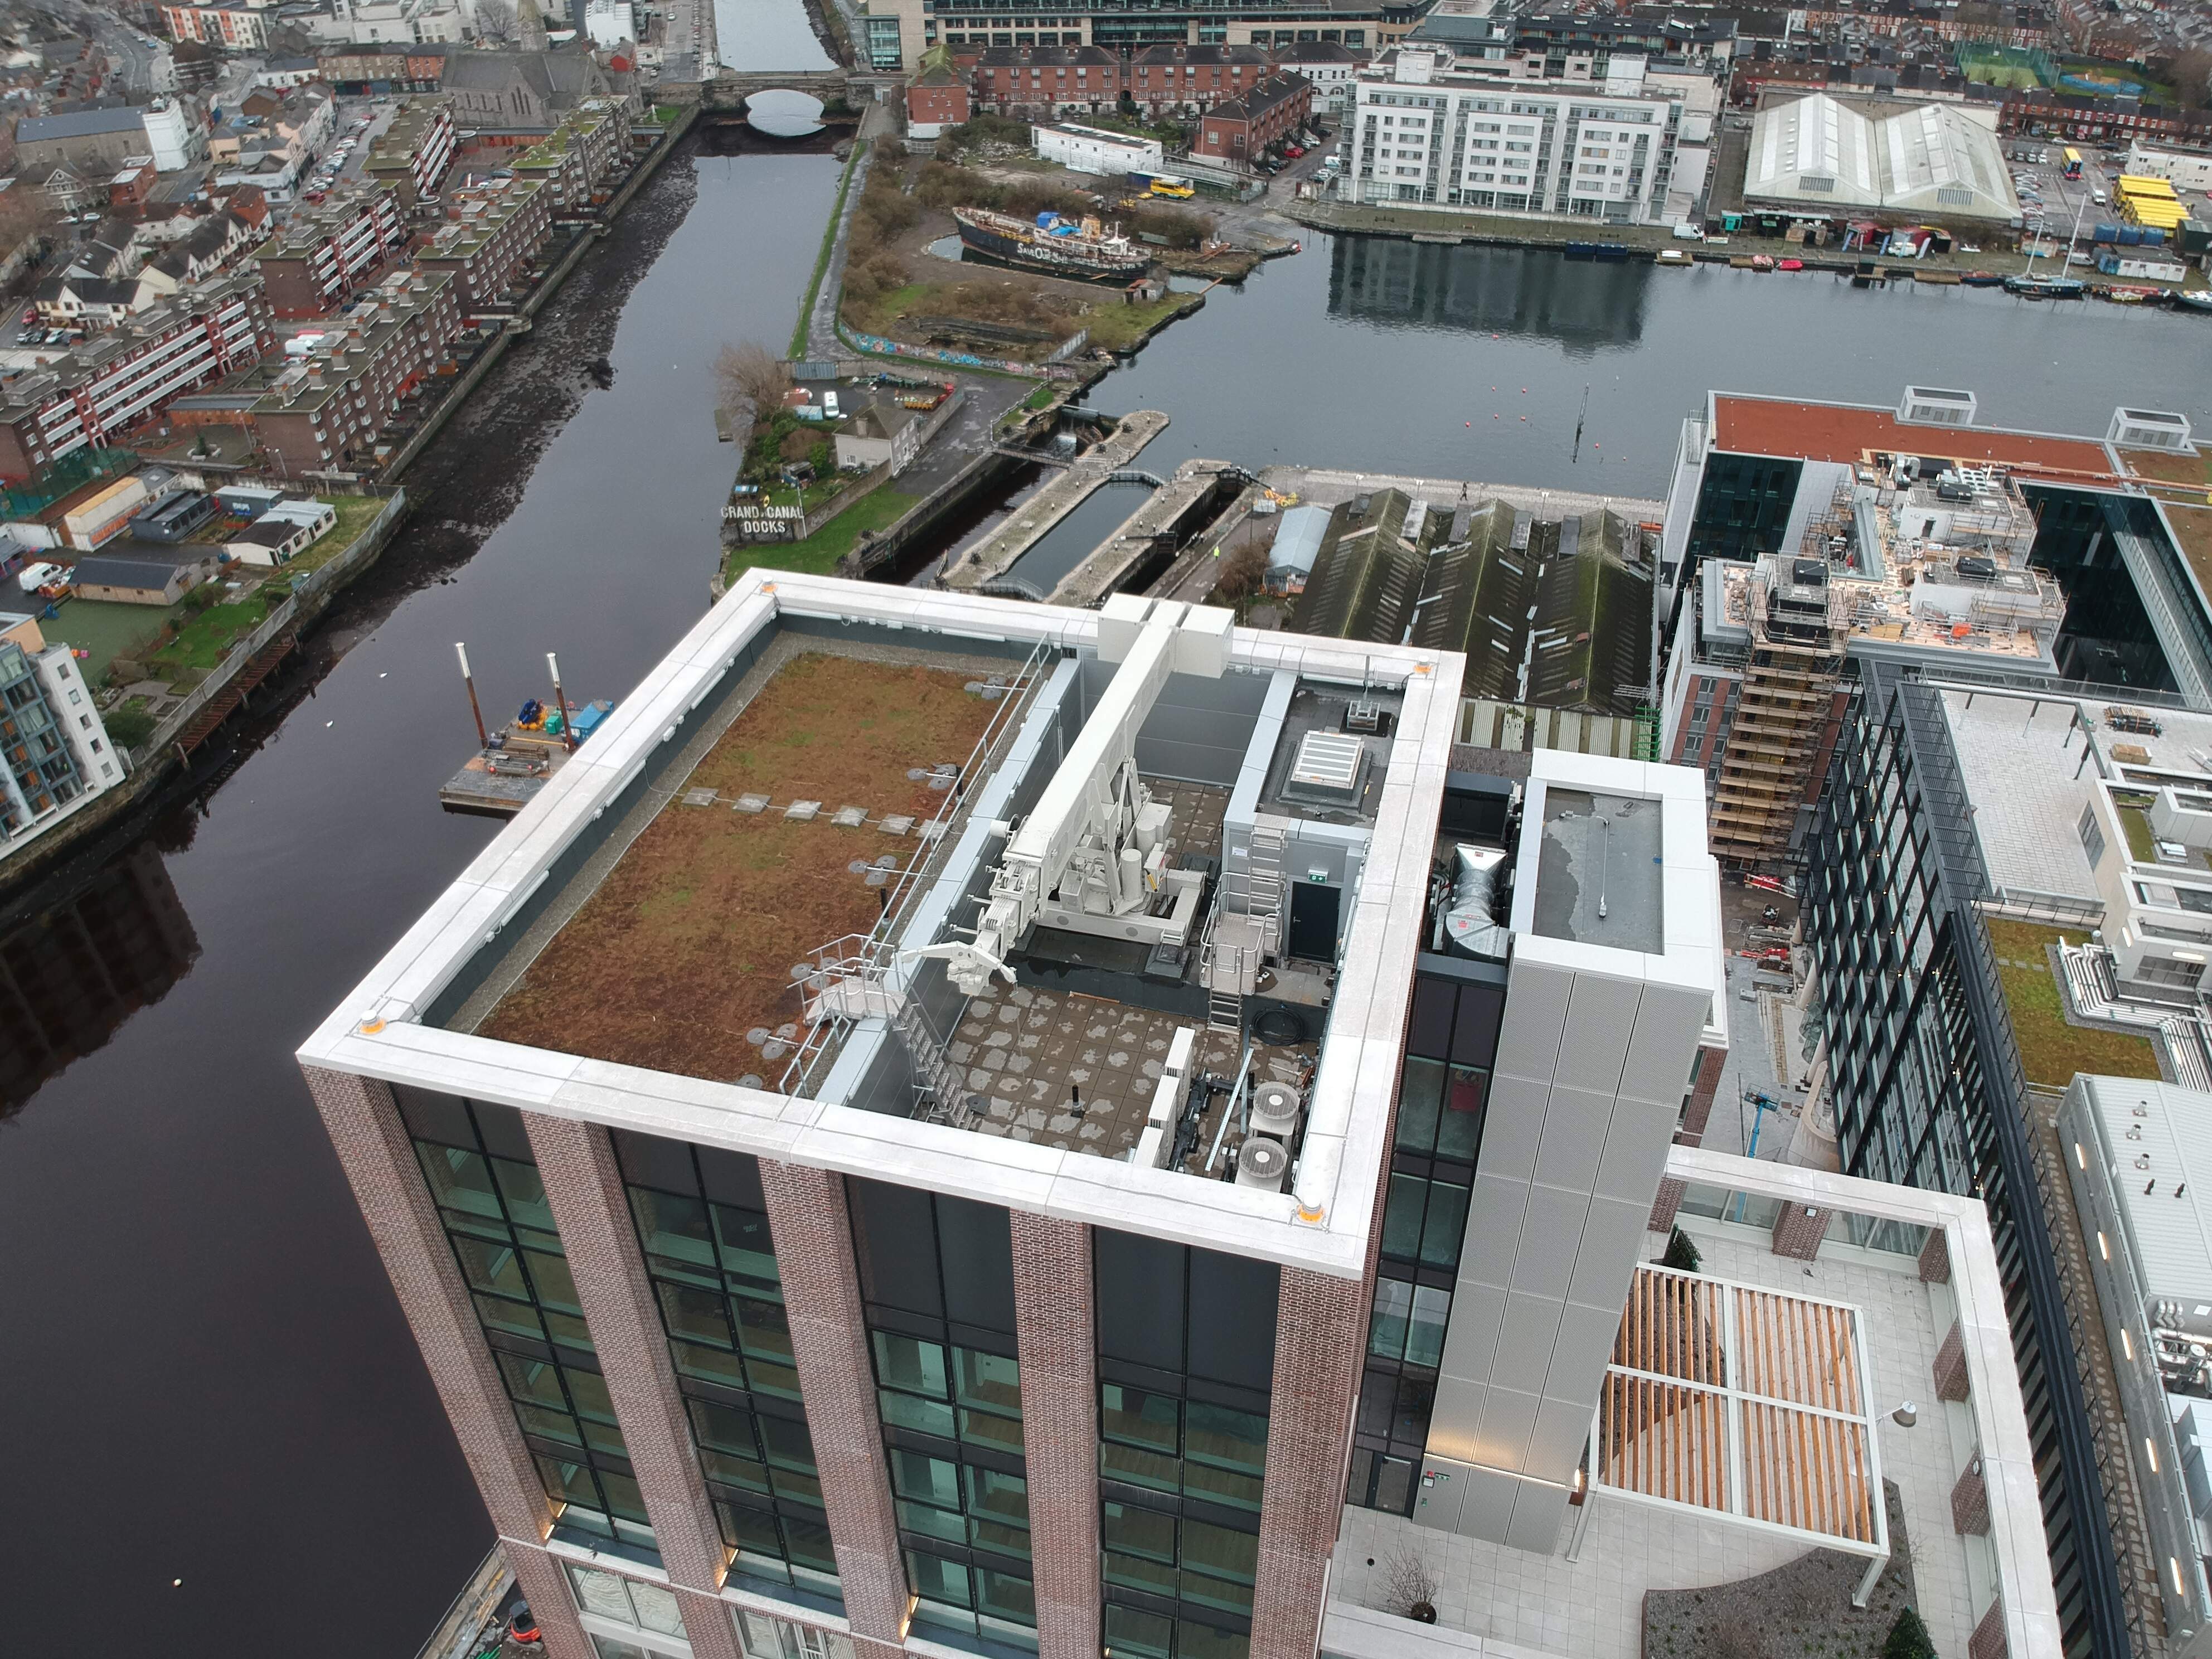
x=1186, y=1344
x=703, y=1228
x=477, y=1160
x=1444, y=1093
x=936, y=1281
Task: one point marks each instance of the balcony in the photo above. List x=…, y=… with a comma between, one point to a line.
x=1604, y=1593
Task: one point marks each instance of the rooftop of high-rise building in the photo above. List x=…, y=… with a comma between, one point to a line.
x=779, y=896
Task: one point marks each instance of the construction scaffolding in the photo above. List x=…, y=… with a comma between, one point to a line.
x=1797, y=626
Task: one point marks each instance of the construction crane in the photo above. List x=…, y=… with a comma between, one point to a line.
x=1091, y=857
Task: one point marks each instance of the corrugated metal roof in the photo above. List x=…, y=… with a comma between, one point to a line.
x=1298, y=538
x=2149, y=1128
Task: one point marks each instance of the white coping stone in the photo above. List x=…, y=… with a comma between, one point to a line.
x=1349, y=1104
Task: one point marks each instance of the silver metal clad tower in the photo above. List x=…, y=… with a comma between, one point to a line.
x=1611, y=985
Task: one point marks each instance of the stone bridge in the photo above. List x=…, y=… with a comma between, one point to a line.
x=726, y=93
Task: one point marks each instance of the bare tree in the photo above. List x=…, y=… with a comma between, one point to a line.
x=1409, y=1585
x=2191, y=72
x=494, y=18
x=749, y=380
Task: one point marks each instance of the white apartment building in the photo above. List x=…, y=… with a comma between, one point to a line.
x=2185, y=169
x=1434, y=130
x=55, y=757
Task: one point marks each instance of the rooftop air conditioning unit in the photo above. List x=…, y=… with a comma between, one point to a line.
x=1262, y=1162
x=1275, y=1107
x=2150, y=429
x=1929, y=405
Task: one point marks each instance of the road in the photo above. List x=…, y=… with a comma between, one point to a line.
x=142, y=62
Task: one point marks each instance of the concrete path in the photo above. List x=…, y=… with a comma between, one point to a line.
x=994, y=555
x=1326, y=488
x=822, y=322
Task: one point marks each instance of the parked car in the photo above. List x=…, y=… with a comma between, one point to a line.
x=33, y=577
x=1294, y=151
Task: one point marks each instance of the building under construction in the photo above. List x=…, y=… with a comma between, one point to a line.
x=1902, y=566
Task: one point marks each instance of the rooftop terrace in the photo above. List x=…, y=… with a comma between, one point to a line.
x=732, y=916
x=785, y=834
x=1713, y=1524
x=1851, y=432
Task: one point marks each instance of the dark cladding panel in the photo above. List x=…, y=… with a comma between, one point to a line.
x=979, y=1263
x=892, y=1239
x=1140, y=1299
x=431, y=1116
x=1233, y=1301
x=503, y=1133
x=1431, y=1031
x=732, y=1177
x=1475, y=1035
x=654, y=1161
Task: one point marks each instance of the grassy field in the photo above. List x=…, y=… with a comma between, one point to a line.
x=1116, y=327
x=204, y=640
x=819, y=553
x=2050, y=1050
x=105, y=631
x=355, y=514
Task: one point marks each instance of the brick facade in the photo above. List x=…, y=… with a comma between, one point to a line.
x=1055, y=1316
x=1696, y=1112
x=1970, y=1501
x=1951, y=1366
x=1935, y=1258
x=1799, y=1231
x=1317, y=1360
x=813, y=1235
x=363, y=1123
x=545, y=1587
x=1240, y=129
x=584, y=1185
x=1988, y=1641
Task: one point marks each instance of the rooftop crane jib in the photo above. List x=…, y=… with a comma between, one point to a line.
x=1091, y=857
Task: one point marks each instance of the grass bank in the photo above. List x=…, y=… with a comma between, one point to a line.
x=819, y=553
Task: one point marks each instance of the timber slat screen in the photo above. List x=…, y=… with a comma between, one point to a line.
x=1745, y=1402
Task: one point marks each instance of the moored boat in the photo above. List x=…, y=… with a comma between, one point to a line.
x=1063, y=247
x=1982, y=279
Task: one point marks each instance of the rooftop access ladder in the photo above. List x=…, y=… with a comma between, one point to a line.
x=1246, y=929
x=941, y=1094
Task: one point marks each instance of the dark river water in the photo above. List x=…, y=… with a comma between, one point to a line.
x=206, y=1376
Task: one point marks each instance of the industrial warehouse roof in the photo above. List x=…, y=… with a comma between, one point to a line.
x=1546, y=610
x=1821, y=153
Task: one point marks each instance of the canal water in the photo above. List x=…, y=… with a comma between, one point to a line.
x=209, y=1381
x=757, y=35
x=1065, y=545
x=1473, y=362
x=207, y=1378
